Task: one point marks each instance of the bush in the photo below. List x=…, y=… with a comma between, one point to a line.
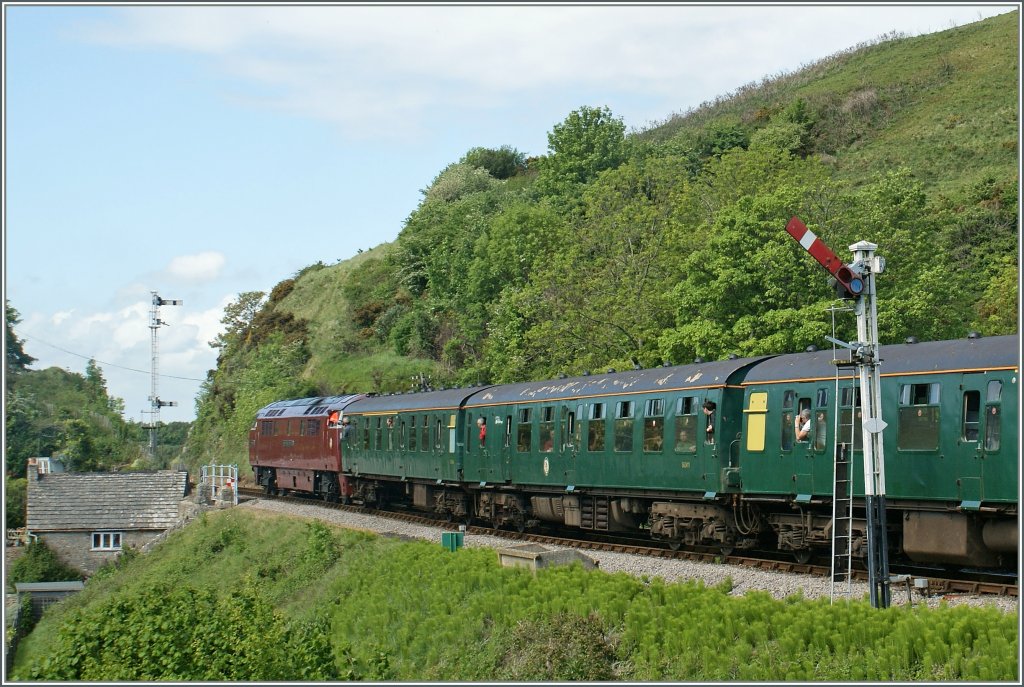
x=557, y=648
x=40, y=564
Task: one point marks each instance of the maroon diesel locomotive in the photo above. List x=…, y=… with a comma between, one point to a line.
x=296, y=446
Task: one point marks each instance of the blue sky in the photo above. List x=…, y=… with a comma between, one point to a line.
x=202, y=151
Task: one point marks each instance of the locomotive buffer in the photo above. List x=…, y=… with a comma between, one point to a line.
x=856, y=281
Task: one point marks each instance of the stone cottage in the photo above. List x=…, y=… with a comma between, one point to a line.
x=88, y=518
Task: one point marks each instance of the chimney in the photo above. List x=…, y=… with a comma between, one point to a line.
x=33, y=469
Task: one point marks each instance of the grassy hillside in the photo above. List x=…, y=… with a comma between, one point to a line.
x=944, y=104
x=246, y=595
x=668, y=244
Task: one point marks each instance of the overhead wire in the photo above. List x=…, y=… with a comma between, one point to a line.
x=23, y=335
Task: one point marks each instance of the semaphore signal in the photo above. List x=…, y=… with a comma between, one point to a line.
x=156, y=404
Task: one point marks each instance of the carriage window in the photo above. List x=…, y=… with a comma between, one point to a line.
x=995, y=390
x=686, y=425
x=820, y=429
x=992, y=428
x=412, y=433
x=821, y=398
x=918, y=417
x=654, y=425
x=595, y=428
x=524, y=432
x=379, y=434
x=569, y=438
x=971, y=419
x=425, y=434
x=624, y=426
x=547, y=429
x=401, y=436
x=788, y=399
x=508, y=431
x=391, y=433
x=787, y=429
x=849, y=417
x=919, y=394
x=366, y=432
x=437, y=438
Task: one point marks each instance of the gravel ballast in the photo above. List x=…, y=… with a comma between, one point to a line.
x=780, y=585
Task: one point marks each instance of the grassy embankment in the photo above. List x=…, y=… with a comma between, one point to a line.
x=245, y=595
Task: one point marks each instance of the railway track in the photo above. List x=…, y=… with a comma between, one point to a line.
x=934, y=585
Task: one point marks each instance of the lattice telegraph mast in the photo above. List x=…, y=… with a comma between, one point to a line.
x=154, y=324
x=857, y=281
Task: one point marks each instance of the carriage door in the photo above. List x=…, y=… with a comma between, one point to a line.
x=568, y=442
x=979, y=433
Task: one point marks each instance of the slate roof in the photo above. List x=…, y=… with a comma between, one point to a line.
x=67, y=502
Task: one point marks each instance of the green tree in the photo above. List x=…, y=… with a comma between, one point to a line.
x=17, y=359
x=589, y=141
x=238, y=320
x=16, y=498
x=500, y=163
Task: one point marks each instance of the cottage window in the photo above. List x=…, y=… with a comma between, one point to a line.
x=106, y=541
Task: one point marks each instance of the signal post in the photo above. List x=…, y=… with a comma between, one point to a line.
x=856, y=281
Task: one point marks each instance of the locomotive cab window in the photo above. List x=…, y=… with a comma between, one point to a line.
x=624, y=426
x=654, y=425
x=918, y=417
x=686, y=425
x=595, y=428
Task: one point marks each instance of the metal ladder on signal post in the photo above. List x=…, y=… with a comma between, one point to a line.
x=842, y=525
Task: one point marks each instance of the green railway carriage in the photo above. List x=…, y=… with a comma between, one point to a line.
x=950, y=445
x=597, y=451
x=408, y=444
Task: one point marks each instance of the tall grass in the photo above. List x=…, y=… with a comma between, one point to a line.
x=396, y=610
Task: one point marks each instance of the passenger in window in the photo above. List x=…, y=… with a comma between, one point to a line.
x=346, y=428
x=482, y=423
x=709, y=412
x=803, y=424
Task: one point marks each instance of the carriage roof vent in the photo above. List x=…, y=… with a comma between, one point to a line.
x=811, y=349
x=586, y=373
x=698, y=359
x=973, y=335
x=911, y=340
x=611, y=370
x=667, y=363
x=733, y=356
x=562, y=375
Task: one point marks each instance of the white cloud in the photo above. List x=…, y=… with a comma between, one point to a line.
x=201, y=267
x=379, y=69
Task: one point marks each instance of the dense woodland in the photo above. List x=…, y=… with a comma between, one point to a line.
x=619, y=248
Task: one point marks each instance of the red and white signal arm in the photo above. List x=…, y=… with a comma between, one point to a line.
x=850, y=280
